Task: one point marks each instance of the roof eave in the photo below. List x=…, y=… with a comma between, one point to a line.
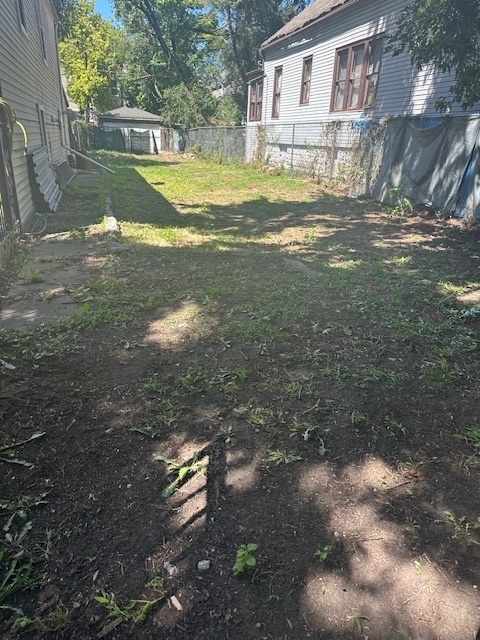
x=103, y=116
x=267, y=44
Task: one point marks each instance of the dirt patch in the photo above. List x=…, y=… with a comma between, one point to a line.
x=213, y=396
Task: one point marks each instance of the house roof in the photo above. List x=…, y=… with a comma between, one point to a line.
x=129, y=113
x=316, y=11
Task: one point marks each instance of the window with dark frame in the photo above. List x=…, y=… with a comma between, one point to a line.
x=43, y=127
x=41, y=30
x=306, y=80
x=277, y=92
x=21, y=13
x=357, y=68
x=256, y=98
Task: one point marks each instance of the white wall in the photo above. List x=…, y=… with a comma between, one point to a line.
x=402, y=89
x=27, y=79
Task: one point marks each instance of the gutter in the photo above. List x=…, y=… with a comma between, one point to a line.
x=319, y=18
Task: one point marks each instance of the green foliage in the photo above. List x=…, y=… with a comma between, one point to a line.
x=439, y=373
x=472, y=437
x=245, y=560
x=243, y=25
x=445, y=33
x=322, y=554
x=357, y=621
x=109, y=601
x=401, y=205
x=89, y=57
x=178, y=110
x=182, y=471
x=461, y=525
x=67, y=10
x=136, y=610
x=229, y=110
x=281, y=457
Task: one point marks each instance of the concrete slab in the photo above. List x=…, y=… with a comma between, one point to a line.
x=57, y=265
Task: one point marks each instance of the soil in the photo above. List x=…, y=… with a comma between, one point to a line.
x=397, y=504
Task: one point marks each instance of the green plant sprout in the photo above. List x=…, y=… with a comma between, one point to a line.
x=245, y=560
x=304, y=430
x=322, y=554
x=471, y=436
x=281, y=457
x=136, y=610
x=402, y=205
x=357, y=621
x=183, y=471
x=460, y=525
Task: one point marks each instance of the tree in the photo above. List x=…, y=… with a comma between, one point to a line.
x=176, y=111
x=447, y=34
x=89, y=57
x=245, y=24
x=66, y=10
x=173, y=26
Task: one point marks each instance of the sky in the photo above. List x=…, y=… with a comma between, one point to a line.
x=104, y=7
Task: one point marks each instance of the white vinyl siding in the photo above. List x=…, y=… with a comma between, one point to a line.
x=401, y=90
x=28, y=80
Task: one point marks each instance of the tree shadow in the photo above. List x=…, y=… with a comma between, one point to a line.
x=245, y=348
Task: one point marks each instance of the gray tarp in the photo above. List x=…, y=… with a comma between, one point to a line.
x=428, y=163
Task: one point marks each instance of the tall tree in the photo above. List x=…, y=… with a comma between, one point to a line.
x=447, y=34
x=246, y=24
x=173, y=26
x=89, y=57
x=66, y=10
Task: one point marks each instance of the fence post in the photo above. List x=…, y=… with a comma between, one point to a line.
x=293, y=147
x=333, y=156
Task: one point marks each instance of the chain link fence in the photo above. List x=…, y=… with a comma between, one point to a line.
x=349, y=152
x=222, y=142
x=331, y=150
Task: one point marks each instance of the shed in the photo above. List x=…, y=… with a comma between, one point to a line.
x=141, y=129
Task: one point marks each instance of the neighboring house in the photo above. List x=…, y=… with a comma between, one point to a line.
x=329, y=62
x=30, y=86
x=142, y=130
x=327, y=75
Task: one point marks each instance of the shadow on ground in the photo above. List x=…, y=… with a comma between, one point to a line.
x=306, y=364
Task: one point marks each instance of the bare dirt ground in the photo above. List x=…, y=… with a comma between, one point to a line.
x=305, y=366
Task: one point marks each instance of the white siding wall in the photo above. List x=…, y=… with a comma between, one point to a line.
x=402, y=90
x=27, y=79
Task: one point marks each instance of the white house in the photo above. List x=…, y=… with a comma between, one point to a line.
x=30, y=91
x=326, y=76
x=329, y=62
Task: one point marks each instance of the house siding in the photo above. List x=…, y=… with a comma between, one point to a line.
x=28, y=80
x=402, y=90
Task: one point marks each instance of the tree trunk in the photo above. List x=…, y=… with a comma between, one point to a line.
x=146, y=8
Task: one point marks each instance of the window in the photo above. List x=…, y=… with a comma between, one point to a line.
x=41, y=31
x=21, y=13
x=43, y=128
x=357, y=68
x=256, y=97
x=277, y=90
x=306, y=80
